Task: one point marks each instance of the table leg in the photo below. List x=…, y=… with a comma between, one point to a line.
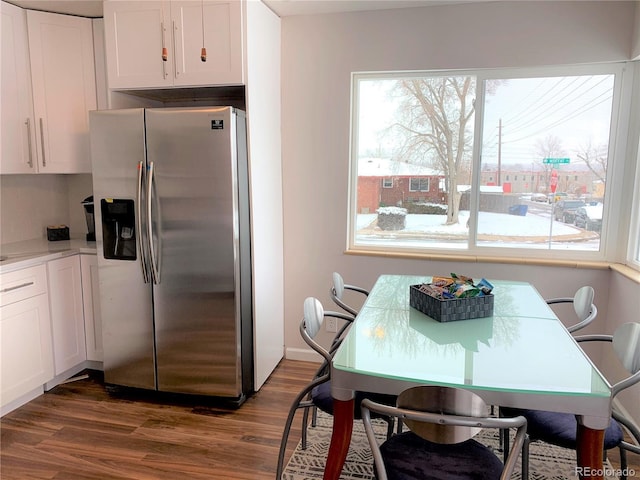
x=590, y=453
x=340, y=438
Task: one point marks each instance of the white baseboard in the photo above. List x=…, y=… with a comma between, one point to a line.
x=302, y=354
x=21, y=400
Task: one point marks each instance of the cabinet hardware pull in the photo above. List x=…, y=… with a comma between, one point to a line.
x=44, y=159
x=173, y=38
x=28, y=123
x=165, y=55
x=203, y=51
x=16, y=287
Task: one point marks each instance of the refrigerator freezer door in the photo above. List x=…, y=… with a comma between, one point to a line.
x=195, y=241
x=117, y=147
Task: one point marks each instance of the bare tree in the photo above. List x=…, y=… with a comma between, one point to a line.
x=548, y=147
x=595, y=158
x=434, y=118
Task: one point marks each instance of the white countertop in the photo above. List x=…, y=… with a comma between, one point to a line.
x=17, y=255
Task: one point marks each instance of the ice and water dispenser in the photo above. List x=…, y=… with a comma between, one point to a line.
x=118, y=229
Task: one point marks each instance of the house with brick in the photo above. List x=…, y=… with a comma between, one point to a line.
x=388, y=182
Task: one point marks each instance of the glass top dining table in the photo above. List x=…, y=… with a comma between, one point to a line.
x=521, y=356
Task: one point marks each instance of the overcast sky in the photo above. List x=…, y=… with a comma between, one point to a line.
x=575, y=109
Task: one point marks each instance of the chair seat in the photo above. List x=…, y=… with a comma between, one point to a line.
x=409, y=457
x=560, y=428
x=322, y=399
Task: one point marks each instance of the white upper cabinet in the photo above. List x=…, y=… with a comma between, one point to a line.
x=18, y=153
x=64, y=90
x=152, y=44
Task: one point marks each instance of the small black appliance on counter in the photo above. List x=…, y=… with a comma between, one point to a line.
x=88, y=212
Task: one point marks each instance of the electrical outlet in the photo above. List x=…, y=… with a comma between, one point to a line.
x=331, y=324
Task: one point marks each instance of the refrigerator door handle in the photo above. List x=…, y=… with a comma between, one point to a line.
x=143, y=257
x=155, y=273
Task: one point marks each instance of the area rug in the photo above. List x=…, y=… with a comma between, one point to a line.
x=546, y=462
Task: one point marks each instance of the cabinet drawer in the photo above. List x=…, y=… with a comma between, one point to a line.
x=22, y=284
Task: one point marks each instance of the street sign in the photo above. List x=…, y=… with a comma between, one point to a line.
x=555, y=160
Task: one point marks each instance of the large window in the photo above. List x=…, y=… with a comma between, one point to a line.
x=522, y=160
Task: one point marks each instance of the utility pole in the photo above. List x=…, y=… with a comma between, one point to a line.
x=499, y=152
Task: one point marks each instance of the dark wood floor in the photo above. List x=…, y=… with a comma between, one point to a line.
x=79, y=431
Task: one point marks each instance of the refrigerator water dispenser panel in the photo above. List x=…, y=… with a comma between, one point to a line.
x=118, y=229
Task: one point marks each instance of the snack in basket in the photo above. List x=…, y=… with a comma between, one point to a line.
x=456, y=286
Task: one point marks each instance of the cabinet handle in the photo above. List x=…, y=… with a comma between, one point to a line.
x=44, y=158
x=173, y=38
x=28, y=123
x=16, y=287
x=165, y=55
x=203, y=51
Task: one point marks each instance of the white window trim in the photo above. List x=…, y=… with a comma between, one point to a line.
x=612, y=239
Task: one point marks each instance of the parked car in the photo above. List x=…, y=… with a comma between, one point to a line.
x=565, y=210
x=589, y=217
x=538, y=197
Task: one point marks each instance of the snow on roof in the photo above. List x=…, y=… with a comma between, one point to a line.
x=386, y=167
x=483, y=188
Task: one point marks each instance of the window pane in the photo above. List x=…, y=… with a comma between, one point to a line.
x=418, y=130
x=554, y=132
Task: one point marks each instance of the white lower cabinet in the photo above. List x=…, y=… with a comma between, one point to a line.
x=49, y=327
x=67, y=317
x=26, y=356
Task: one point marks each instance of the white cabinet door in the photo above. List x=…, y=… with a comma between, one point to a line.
x=17, y=139
x=26, y=358
x=91, y=307
x=216, y=25
x=67, y=317
x=64, y=89
x=138, y=33
x=25, y=343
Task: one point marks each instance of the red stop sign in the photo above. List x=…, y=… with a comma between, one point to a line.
x=554, y=181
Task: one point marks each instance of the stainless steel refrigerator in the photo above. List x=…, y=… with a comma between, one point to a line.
x=171, y=200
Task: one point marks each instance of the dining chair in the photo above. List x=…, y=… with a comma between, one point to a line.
x=337, y=293
x=439, y=444
x=560, y=428
x=582, y=304
x=317, y=393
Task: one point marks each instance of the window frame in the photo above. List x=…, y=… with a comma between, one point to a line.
x=611, y=239
x=420, y=180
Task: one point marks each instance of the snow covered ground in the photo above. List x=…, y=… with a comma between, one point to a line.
x=489, y=224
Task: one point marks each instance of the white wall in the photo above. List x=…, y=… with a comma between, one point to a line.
x=28, y=203
x=319, y=54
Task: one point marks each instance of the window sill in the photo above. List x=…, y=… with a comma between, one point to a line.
x=624, y=270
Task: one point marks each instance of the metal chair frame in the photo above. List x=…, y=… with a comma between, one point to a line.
x=449, y=423
x=310, y=326
x=583, y=306
x=337, y=292
x=626, y=344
